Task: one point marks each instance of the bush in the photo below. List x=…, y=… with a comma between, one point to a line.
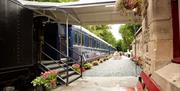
x=87, y=65
x=101, y=61
x=95, y=63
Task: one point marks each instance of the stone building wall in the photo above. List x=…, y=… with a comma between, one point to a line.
x=156, y=45
x=154, y=42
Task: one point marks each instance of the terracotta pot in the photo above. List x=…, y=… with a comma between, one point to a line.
x=53, y=83
x=46, y=89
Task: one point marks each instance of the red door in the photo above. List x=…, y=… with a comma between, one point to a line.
x=176, y=32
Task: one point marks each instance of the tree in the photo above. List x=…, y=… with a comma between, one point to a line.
x=103, y=32
x=60, y=1
x=128, y=34
x=120, y=45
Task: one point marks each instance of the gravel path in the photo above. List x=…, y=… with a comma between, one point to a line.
x=115, y=67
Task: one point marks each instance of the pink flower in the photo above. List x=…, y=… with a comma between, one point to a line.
x=76, y=66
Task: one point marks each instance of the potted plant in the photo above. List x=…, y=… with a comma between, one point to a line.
x=95, y=63
x=76, y=67
x=51, y=77
x=87, y=65
x=39, y=83
x=46, y=80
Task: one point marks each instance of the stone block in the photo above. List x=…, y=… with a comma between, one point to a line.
x=152, y=32
x=163, y=29
x=160, y=63
x=168, y=77
x=164, y=50
x=159, y=10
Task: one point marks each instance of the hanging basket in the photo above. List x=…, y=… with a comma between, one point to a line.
x=127, y=4
x=130, y=4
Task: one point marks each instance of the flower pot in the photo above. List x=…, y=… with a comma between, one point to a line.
x=53, y=83
x=47, y=89
x=39, y=88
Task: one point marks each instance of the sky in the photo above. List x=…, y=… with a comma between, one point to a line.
x=114, y=27
x=115, y=31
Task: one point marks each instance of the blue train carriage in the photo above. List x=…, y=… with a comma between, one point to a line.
x=88, y=44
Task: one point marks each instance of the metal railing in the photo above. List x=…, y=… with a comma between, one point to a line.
x=66, y=62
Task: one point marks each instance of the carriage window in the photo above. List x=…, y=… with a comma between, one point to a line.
x=76, y=38
x=87, y=39
x=79, y=39
x=97, y=44
x=94, y=45
x=82, y=39
x=89, y=42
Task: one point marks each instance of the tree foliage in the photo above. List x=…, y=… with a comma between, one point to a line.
x=120, y=45
x=127, y=31
x=60, y=1
x=103, y=32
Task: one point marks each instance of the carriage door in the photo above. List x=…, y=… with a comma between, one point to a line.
x=62, y=36
x=51, y=36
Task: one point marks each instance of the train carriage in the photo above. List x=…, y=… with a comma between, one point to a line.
x=88, y=44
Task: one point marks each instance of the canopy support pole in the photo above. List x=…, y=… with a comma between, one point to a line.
x=67, y=36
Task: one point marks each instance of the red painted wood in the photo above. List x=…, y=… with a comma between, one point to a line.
x=149, y=83
x=139, y=86
x=175, y=25
x=176, y=60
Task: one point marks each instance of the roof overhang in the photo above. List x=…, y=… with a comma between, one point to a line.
x=82, y=13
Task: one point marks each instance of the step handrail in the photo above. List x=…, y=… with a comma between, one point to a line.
x=58, y=51
x=81, y=64
x=53, y=59
x=55, y=62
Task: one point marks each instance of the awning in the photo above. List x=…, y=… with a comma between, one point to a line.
x=82, y=13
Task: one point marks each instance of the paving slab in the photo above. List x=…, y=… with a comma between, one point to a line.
x=115, y=67
x=113, y=75
x=100, y=84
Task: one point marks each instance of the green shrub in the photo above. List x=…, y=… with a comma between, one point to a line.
x=87, y=65
x=94, y=63
x=101, y=61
